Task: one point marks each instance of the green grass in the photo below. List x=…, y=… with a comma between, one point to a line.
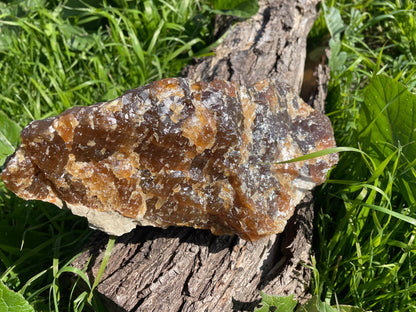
x=365, y=235
x=55, y=55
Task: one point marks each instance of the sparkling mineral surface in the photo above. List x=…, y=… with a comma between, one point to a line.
x=178, y=153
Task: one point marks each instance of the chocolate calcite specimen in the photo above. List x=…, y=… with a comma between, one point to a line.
x=180, y=153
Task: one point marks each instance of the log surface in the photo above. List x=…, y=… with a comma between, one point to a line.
x=183, y=269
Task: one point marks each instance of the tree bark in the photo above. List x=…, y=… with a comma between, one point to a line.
x=183, y=269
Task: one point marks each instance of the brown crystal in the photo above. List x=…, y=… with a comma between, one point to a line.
x=180, y=153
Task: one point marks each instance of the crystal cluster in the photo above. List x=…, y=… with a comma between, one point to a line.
x=180, y=153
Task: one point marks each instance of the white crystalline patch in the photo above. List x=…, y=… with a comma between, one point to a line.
x=114, y=106
x=109, y=221
x=303, y=184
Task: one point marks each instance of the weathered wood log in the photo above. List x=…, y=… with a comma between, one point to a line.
x=183, y=269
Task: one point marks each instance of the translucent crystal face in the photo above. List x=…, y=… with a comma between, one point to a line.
x=178, y=153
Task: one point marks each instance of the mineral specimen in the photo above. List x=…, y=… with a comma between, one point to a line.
x=179, y=153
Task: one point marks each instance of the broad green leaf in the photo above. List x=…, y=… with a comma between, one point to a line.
x=239, y=8
x=337, y=58
x=12, y=302
x=5, y=40
x=76, y=38
x=388, y=118
x=279, y=304
x=387, y=123
x=335, y=26
x=9, y=136
x=333, y=20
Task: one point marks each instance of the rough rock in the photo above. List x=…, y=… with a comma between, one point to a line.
x=179, y=153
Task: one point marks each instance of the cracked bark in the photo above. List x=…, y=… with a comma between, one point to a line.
x=183, y=269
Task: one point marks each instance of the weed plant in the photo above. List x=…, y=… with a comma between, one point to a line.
x=365, y=246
